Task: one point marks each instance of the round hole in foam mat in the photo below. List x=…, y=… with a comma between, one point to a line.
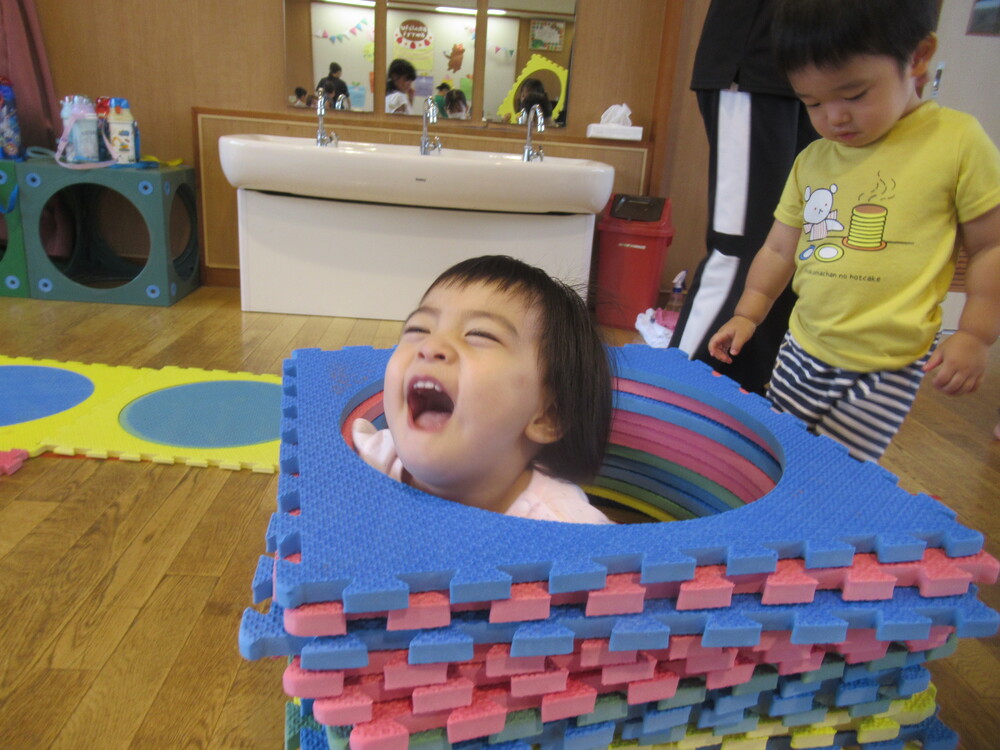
x=32, y=392
x=213, y=414
x=674, y=453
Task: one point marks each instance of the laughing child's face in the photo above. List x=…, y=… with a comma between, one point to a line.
x=464, y=396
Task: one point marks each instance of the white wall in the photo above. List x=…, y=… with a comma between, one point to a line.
x=354, y=51
x=971, y=64
x=501, y=66
x=968, y=83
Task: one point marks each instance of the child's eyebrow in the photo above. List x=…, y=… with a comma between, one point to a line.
x=424, y=309
x=468, y=315
x=498, y=319
x=844, y=87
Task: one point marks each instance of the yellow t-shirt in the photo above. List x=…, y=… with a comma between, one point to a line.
x=879, y=224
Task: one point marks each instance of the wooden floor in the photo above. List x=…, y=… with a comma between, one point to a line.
x=122, y=584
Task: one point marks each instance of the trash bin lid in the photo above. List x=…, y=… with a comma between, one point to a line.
x=637, y=207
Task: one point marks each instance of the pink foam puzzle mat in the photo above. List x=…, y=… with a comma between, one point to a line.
x=169, y=415
x=793, y=606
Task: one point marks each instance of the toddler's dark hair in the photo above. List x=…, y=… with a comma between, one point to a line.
x=828, y=33
x=576, y=370
x=399, y=67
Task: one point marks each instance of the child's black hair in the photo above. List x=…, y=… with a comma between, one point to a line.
x=828, y=33
x=402, y=68
x=576, y=369
x=455, y=101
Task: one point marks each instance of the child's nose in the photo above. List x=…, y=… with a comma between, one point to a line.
x=436, y=347
x=838, y=114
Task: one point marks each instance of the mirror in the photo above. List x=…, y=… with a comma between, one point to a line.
x=340, y=32
x=541, y=75
x=440, y=43
x=527, y=39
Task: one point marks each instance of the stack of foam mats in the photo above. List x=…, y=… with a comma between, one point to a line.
x=795, y=607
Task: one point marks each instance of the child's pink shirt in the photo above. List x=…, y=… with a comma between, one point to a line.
x=544, y=499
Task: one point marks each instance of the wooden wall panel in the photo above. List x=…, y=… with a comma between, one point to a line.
x=167, y=57
x=616, y=57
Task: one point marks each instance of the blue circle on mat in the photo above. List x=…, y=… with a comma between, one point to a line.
x=215, y=414
x=32, y=392
x=33, y=179
x=45, y=285
x=146, y=187
x=12, y=282
x=152, y=291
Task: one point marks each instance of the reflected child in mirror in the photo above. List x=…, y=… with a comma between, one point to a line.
x=399, y=87
x=456, y=107
x=498, y=394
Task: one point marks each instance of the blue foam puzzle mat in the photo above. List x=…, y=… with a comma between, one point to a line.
x=344, y=532
x=825, y=507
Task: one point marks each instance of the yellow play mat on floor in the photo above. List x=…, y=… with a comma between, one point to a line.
x=171, y=415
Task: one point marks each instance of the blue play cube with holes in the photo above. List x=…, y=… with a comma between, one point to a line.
x=78, y=207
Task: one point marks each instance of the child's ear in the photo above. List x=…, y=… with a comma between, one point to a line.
x=922, y=56
x=544, y=427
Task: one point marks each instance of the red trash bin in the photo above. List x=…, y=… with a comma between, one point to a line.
x=634, y=234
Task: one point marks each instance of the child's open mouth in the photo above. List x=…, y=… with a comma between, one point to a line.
x=430, y=407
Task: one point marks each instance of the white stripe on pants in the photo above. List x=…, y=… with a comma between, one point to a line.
x=861, y=410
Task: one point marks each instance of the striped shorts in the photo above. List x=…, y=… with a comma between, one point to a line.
x=861, y=410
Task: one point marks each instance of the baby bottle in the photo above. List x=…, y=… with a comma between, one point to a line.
x=79, y=129
x=122, y=129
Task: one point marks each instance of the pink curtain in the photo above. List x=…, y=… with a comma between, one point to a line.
x=23, y=61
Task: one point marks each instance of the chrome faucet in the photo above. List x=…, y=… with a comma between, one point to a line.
x=322, y=137
x=428, y=144
x=524, y=118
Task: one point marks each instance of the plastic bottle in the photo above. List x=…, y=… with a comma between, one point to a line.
x=676, y=299
x=102, y=106
x=10, y=131
x=123, y=131
x=79, y=129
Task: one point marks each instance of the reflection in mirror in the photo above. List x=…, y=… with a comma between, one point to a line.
x=527, y=39
x=541, y=82
x=341, y=33
x=439, y=42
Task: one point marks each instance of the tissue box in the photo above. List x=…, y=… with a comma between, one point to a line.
x=617, y=132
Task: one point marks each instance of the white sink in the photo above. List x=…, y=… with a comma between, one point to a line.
x=393, y=174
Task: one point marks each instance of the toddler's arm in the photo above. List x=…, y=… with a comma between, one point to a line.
x=961, y=358
x=769, y=274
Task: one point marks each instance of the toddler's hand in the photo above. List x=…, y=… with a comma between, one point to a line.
x=729, y=340
x=962, y=361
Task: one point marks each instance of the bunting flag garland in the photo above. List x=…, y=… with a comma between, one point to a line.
x=502, y=51
x=344, y=36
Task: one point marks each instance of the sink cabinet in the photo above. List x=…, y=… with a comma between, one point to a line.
x=316, y=256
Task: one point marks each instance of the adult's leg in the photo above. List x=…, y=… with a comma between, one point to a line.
x=753, y=141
